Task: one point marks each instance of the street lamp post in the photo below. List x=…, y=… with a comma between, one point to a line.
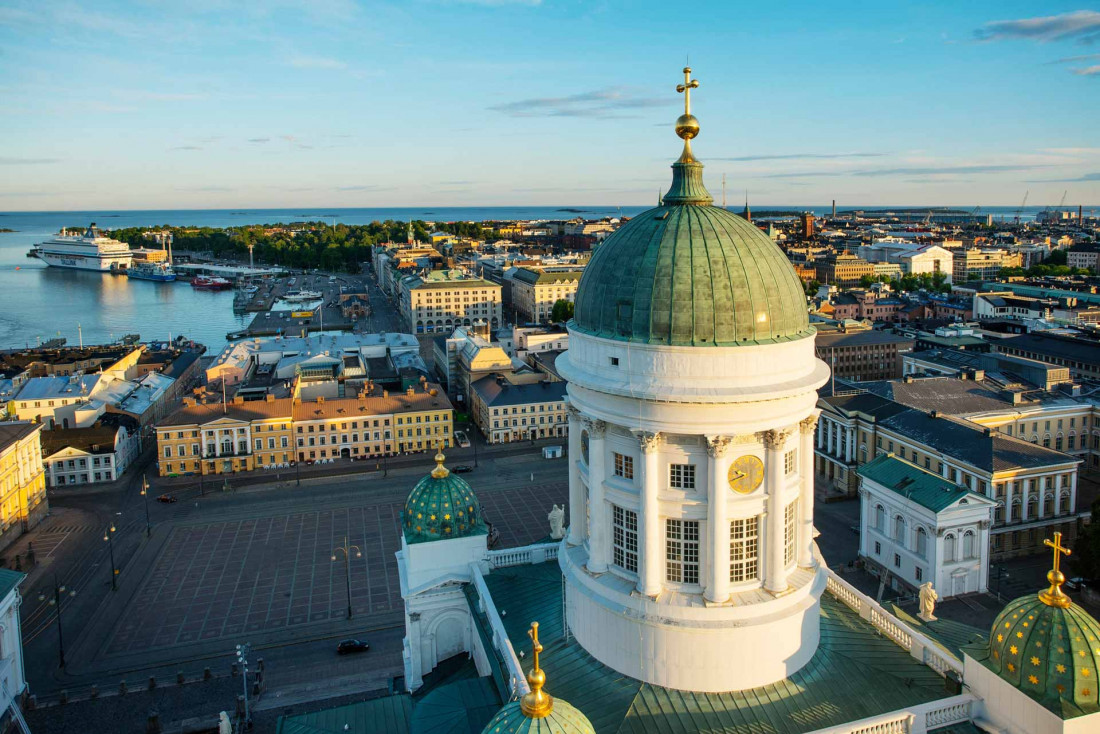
x=473, y=440
x=59, y=591
x=1000, y=573
x=145, y=494
x=109, y=538
x=242, y=660
x=346, y=550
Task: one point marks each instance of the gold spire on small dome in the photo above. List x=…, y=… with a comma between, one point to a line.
x=538, y=703
x=440, y=471
x=1054, y=596
x=687, y=125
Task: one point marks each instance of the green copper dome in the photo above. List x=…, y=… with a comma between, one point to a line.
x=563, y=719
x=690, y=274
x=441, y=506
x=1051, y=653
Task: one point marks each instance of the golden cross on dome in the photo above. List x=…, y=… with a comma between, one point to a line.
x=685, y=89
x=1054, y=596
x=538, y=703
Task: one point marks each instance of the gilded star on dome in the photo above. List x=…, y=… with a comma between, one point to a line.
x=1034, y=660
x=1032, y=680
x=1060, y=668
x=1012, y=650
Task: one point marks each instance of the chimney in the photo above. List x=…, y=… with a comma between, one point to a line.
x=385, y=393
x=189, y=402
x=269, y=398
x=320, y=399
x=238, y=399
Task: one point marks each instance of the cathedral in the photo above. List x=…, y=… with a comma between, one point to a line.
x=685, y=592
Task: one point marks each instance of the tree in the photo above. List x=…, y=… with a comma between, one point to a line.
x=1086, y=551
x=562, y=311
x=866, y=280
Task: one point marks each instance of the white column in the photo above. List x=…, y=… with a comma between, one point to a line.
x=416, y=664
x=1055, y=486
x=717, y=577
x=577, y=529
x=599, y=533
x=805, y=552
x=1073, y=490
x=821, y=434
x=652, y=552
x=775, y=574
x=849, y=453
x=983, y=555
x=865, y=520
x=1010, y=491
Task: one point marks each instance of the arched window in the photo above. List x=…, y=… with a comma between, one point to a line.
x=968, y=544
x=922, y=542
x=949, y=548
x=1014, y=510
x=899, y=530
x=1032, y=507
x=880, y=519
x=1063, y=502
x=999, y=513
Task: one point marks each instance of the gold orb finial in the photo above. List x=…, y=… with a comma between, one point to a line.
x=440, y=471
x=538, y=703
x=687, y=125
x=1054, y=596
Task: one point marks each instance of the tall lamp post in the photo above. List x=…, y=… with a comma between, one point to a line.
x=145, y=494
x=346, y=550
x=242, y=660
x=59, y=592
x=109, y=538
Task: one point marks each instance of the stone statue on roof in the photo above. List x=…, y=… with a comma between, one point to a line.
x=557, y=522
x=928, y=597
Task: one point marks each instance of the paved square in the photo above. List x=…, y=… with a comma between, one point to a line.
x=225, y=579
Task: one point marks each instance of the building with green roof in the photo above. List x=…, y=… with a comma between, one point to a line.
x=917, y=527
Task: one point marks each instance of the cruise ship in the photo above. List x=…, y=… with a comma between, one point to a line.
x=89, y=250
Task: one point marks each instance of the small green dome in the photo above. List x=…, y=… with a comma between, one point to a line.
x=564, y=719
x=690, y=274
x=1051, y=653
x=441, y=506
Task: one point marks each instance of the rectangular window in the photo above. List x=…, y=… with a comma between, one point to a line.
x=624, y=538
x=682, y=551
x=919, y=573
x=743, y=550
x=624, y=466
x=790, y=459
x=790, y=516
x=681, y=476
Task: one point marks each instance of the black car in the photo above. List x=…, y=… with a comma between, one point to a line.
x=349, y=646
x=461, y=469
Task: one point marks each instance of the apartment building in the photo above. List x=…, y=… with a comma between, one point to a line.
x=535, y=291
x=863, y=354
x=842, y=269
x=443, y=299
x=22, y=480
x=519, y=408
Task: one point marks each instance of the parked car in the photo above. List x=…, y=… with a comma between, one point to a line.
x=1076, y=583
x=462, y=469
x=167, y=498
x=349, y=646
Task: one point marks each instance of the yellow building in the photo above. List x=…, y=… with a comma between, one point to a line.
x=22, y=480
x=242, y=436
x=535, y=291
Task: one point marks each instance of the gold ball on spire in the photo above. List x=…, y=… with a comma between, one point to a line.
x=687, y=126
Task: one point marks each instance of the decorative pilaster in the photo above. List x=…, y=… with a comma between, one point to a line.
x=577, y=514
x=805, y=551
x=775, y=576
x=717, y=577
x=599, y=531
x=652, y=550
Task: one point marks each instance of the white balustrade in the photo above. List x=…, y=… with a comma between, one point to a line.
x=522, y=556
x=499, y=635
x=919, y=646
x=917, y=719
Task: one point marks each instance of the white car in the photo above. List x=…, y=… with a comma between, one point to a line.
x=462, y=440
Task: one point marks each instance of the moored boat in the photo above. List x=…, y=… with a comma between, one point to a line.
x=158, y=272
x=207, y=283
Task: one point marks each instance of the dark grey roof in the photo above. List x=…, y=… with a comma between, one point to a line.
x=948, y=395
x=13, y=431
x=867, y=403
x=859, y=338
x=1065, y=347
x=498, y=393
x=180, y=364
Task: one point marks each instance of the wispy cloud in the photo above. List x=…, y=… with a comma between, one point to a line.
x=186, y=147
x=209, y=189
x=259, y=140
x=1074, y=59
x=606, y=103
x=365, y=187
x=1088, y=177
x=1088, y=71
x=301, y=61
x=16, y=161
x=1082, y=26
x=798, y=156
x=944, y=170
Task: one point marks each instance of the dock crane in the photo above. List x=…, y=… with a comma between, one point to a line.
x=1022, y=205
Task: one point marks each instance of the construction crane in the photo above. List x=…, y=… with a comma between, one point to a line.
x=1062, y=203
x=1022, y=205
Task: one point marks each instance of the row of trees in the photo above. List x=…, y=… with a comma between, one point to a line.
x=311, y=245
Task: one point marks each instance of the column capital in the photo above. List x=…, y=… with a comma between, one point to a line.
x=574, y=414
x=808, y=424
x=718, y=446
x=775, y=438
x=984, y=524
x=649, y=441
x=595, y=427
x=414, y=616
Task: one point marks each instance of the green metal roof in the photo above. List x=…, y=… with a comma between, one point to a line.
x=461, y=707
x=852, y=656
x=441, y=506
x=691, y=275
x=909, y=480
x=563, y=719
x=389, y=715
x=9, y=580
x=949, y=635
x=1049, y=653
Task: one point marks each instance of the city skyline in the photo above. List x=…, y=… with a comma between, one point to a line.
x=127, y=105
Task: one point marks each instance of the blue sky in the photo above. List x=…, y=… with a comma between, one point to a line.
x=268, y=103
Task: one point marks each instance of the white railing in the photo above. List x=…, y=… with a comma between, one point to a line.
x=517, y=679
x=917, y=719
x=522, y=556
x=919, y=646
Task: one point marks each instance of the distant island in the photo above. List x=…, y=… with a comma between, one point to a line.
x=571, y=210
x=5, y=229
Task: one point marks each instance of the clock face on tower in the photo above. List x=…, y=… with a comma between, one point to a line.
x=745, y=474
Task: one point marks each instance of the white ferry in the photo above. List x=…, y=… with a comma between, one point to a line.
x=89, y=250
